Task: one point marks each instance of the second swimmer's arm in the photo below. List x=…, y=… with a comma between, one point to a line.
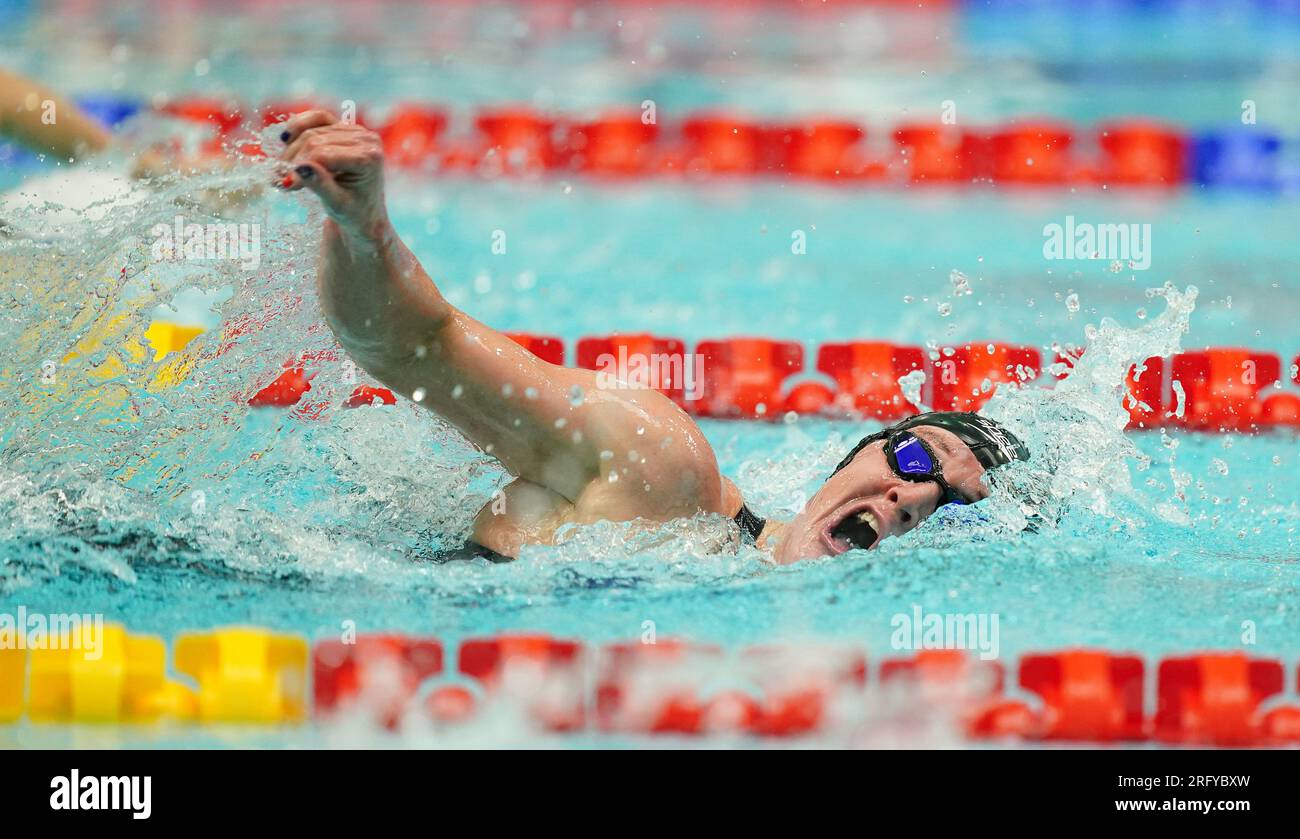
x=44, y=122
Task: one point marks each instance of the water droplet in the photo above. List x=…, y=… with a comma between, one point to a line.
x=1072, y=303
x=418, y=394
x=507, y=389
x=561, y=422
x=530, y=393
x=606, y=454
x=576, y=396
x=458, y=391
x=945, y=309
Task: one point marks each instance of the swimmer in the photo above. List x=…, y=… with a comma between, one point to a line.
x=580, y=454
x=45, y=122
x=49, y=124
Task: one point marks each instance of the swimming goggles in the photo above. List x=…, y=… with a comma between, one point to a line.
x=912, y=459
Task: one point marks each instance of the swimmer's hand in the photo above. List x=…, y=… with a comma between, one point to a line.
x=341, y=162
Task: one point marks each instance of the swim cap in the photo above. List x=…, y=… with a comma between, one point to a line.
x=991, y=444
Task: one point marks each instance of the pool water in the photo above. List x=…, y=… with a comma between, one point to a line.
x=177, y=508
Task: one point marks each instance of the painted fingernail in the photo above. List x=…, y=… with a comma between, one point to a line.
x=305, y=171
x=284, y=136
x=286, y=182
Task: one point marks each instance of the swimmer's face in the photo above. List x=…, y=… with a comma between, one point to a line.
x=865, y=502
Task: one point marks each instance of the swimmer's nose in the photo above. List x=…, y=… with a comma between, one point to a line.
x=912, y=502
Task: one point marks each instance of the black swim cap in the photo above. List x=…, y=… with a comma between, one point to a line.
x=991, y=444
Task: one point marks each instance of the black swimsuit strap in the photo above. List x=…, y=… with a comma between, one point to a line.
x=750, y=525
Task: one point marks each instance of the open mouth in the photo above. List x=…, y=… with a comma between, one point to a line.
x=858, y=529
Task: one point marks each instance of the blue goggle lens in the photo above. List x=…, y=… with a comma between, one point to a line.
x=912, y=457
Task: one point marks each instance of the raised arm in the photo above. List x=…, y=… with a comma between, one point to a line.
x=549, y=425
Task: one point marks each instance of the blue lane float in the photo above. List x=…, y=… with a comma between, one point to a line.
x=1241, y=157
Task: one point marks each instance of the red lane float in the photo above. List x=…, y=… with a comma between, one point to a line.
x=1222, y=387
x=284, y=391
x=382, y=676
x=1144, y=388
x=1086, y=695
x=543, y=675
x=653, y=688
x=223, y=114
x=823, y=150
x=641, y=361
x=368, y=395
x=969, y=687
x=867, y=374
x=743, y=376
x=719, y=144
x=521, y=140
x=1215, y=698
x=677, y=687
x=941, y=154
x=378, y=674
x=1032, y=153
x=411, y=135
x=518, y=141
x=794, y=688
x=620, y=145
x=963, y=378
x=810, y=398
x=1141, y=153
x=674, y=687
x=1281, y=410
x=546, y=347
x=1145, y=385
